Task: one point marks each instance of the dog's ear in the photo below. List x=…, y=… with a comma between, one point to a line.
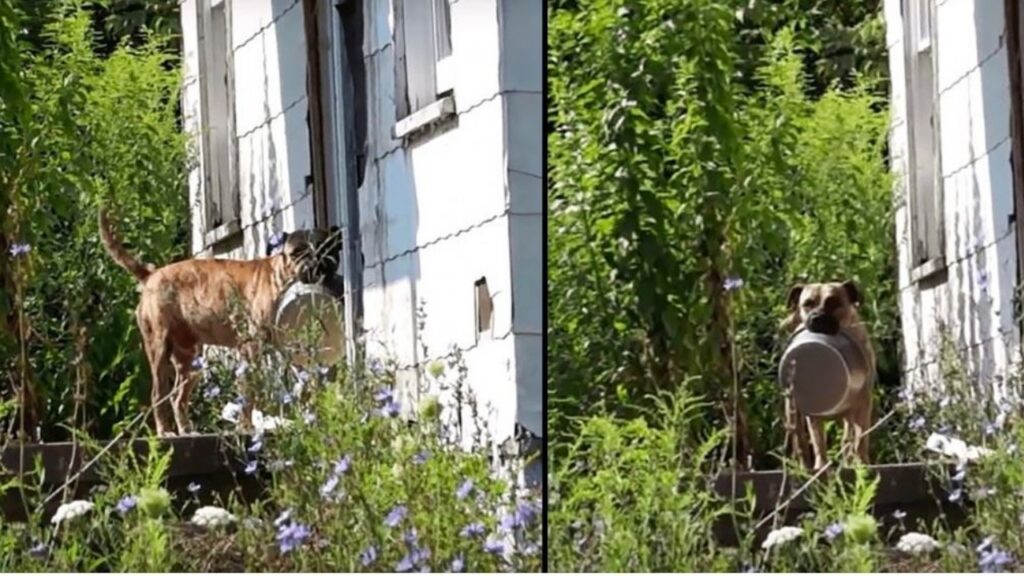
x=794, y=296
x=852, y=292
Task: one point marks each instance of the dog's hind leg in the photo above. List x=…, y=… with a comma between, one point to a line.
x=184, y=381
x=159, y=360
x=861, y=423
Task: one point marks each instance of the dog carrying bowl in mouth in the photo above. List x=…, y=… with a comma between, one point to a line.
x=304, y=307
x=823, y=371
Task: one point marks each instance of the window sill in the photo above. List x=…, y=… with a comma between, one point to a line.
x=419, y=121
x=928, y=269
x=222, y=232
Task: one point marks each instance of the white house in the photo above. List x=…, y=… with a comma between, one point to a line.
x=956, y=118
x=414, y=125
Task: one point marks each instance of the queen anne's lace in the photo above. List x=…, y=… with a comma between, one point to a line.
x=916, y=543
x=781, y=536
x=211, y=516
x=71, y=510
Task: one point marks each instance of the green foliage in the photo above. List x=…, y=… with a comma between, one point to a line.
x=668, y=176
x=91, y=129
x=340, y=467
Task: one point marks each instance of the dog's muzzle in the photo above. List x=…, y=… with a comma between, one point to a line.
x=821, y=323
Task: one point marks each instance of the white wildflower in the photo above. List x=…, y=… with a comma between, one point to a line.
x=916, y=543
x=955, y=448
x=781, y=536
x=71, y=510
x=212, y=516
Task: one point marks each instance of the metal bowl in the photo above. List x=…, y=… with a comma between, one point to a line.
x=311, y=306
x=824, y=372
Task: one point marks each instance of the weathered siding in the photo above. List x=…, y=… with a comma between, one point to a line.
x=972, y=303
x=437, y=212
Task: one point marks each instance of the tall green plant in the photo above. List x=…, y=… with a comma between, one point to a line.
x=95, y=129
x=671, y=183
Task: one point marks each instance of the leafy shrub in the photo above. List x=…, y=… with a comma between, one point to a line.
x=83, y=129
x=684, y=203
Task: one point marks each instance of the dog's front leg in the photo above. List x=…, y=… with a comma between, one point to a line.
x=861, y=423
x=817, y=429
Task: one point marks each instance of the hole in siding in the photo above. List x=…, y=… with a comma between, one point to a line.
x=484, y=308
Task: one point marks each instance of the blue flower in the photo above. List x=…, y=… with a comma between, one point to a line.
x=464, y=489
x=376, y=366
x=411, y=536
x=342, y=465
x=396, y=516
x=391, y=409
x=994, y=560
x=19, y=249
x=241, y=369
x=292, y=535
x=526, y=513
x=329, y=486
x=955, y=495
x=733, y=283
x=961, y=472
x=405, y=564
x=286, y=397
x=193, y=487
x=211, y=392
x=984, y=544
x=421, y=457
x=250, y=468
x=917, y=423
x=494, y=546
x=384, y=395
x=275, y=241
x=256, y=446
x=458, y=564
x=473, y=529
x=40, y=550
x=368, y=556
x=198, y=363
x=126, y=504
x=308, y=417
x=833, y=531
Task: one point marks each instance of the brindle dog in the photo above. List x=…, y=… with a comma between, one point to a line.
x=188, y=304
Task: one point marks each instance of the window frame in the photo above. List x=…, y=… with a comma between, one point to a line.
x=926, y=217
x=425, y=86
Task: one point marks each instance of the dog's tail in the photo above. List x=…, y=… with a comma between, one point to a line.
x=118, y=253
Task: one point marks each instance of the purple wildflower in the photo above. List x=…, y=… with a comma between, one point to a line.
x=464, y=489
x=494, y=546
x=19, y=249
x=198, y=363
x=384, y=395
x=391, y=409
x=250, y=468
x=368, y=556
x=126, y=504
x=329, y=486
x=411, y=536
x=421, y=458
x=473, y=529
x=241, y=369
x=917, y=423
x=211, y=392
x=733, y=283
x=40, y=550
x=961, y=472
x=292, y=535
x=342, y=465
x=256, y=446
x=955, y=495
x=458, y=564
x=994, y=560
x=396, y=516
x=833, y=531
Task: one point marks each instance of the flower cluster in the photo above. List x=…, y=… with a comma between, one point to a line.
x=781, y=536
x=916, y=543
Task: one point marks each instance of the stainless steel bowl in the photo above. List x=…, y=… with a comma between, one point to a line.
x=297, y=307
x=823, y=372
